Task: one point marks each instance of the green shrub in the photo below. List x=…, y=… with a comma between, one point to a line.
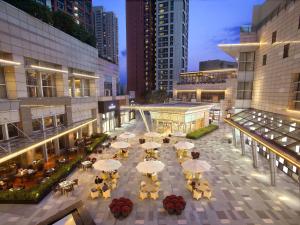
x=35, y=194
x=100, y=138
x=202, y=131
x=58, y=19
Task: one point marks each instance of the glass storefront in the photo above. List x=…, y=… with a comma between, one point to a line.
x=108, y=121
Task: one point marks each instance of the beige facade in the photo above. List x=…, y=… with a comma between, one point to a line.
x=214, y=86
x=275, y=76
x=48, y=79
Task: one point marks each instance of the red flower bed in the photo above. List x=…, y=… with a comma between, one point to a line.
x=121, y=207
x=174, y=204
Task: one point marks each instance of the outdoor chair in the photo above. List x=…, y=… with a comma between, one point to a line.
x=154, y=195
x=189, y=187
x=106, y=194
x=94, y=193
x=143, y=195
x=197, y=195
x=75, y=182
x=207, y=194
x=198, y=176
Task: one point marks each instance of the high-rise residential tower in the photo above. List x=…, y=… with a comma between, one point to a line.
x=106, y=32
x=157, y=44
x=171, y=42
x=80, y=10
x=140, y=25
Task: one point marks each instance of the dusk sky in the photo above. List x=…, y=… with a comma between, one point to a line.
x=211, y=22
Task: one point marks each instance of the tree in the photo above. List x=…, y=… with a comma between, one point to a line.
x=157, y=96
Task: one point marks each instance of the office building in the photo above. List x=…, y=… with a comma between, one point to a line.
x=157, y=44
x=140, y=33
x=268, y=85
x=45, y=3
x=171, y=42
x=216, y=64
x=80, y=10
x=106, y=33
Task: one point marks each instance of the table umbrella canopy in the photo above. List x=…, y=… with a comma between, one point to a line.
x=178, y=134
x=120, y=144
x=152, y=166
x=152, y=135
x=150, y=145
x=107, y=165
x=195, y=166
x=127, y=135
x=184, y=145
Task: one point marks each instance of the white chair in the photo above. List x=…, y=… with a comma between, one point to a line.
x=189, y=187
x=207, y=194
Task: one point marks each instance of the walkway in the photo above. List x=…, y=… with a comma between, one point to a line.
x=241, y=194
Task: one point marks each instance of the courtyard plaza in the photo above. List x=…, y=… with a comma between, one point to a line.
x=240, y=193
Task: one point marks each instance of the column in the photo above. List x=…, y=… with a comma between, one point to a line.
x=73, y=86
x=45, y=153
x=242, y=143
x=233, y=136
x=5, y=132
x=56, y=146
x=40, y=85
x=254, y=154
x=272, y=158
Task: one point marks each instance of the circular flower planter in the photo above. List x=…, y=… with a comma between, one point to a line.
x=174, y=204
x=121, y=207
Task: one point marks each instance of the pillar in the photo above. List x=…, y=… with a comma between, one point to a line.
x=40, y=85
x=272, y=159
x=56, y=146
x=233, y=136
x=242, y=142
x=254, y=154
x=73, y=86
x=45, y=153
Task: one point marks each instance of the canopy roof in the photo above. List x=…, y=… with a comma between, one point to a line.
x=279, y=130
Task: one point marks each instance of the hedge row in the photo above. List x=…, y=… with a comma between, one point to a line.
x=37, y=193
x=202, y=131
x=96, y=142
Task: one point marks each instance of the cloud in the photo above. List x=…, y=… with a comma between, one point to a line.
x=124, y=53
x=228, y=35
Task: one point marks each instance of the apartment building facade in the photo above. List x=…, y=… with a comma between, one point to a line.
x=268, y=86
x=52, y=88
x=106, y=33
x=171, y=42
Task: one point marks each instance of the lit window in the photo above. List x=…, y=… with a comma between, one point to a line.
x=2, y=84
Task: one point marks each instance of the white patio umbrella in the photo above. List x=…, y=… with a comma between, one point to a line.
x=107, y=165
x=195, y=166
x=127, y=135
x=152, y=166
x=120, y=145
x=184, y=145
x=152, y=135
x=150, y=145
x=178, y=134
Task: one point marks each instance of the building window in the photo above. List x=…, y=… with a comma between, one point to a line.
x=244, y=90
x=86, y=87
x=77, y=88
x=48, y=122
x=12, y=130
x=274, y=36
x=1, y=132
x=48, y=85
x=3, y=93
x=246, y=61
x=36, y=124
x=60, y=120
x=299, y=23
x=264, y=60
x=31, y=81
x=286, y=49
x=297, y=93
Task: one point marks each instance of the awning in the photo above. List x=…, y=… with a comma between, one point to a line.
x=235, y=49
x=279, y=133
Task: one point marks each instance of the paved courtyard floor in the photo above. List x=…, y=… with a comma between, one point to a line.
x=241, y=194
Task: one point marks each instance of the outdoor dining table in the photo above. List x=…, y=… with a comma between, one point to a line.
x=65, y=185
x=86, y=164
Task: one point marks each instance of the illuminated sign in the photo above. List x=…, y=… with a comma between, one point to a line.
x=112, y=106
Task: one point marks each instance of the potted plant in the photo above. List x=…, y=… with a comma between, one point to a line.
x=121, y=207
x=174, y=204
